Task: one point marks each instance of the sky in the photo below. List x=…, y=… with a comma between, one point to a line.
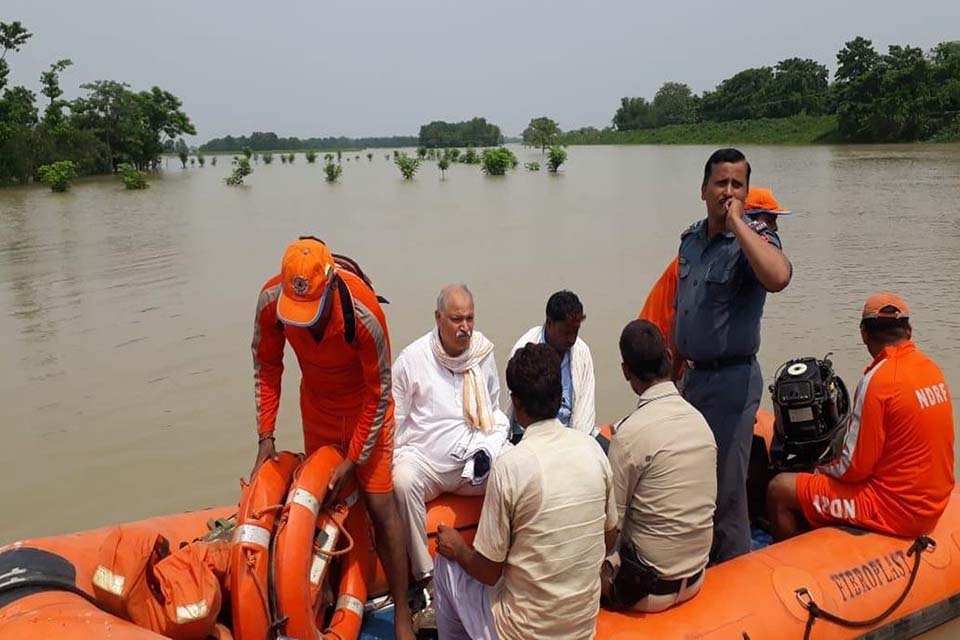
x=368, y=68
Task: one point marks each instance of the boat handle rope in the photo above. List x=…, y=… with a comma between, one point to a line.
x=805, y=598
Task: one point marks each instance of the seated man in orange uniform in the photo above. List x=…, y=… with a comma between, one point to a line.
x=895, y=473
x=661, y=303
x=331, y=317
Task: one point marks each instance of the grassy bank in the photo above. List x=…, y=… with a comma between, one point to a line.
x=794, y=130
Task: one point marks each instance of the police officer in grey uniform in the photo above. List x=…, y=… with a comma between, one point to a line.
x=727, y=264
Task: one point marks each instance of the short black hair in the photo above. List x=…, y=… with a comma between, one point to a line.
x=533, y=377
x=886, y=330
x=644, y=352
x=564, y=305
x=721, y=156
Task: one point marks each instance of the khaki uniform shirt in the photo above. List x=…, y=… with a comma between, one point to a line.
x=664, y=461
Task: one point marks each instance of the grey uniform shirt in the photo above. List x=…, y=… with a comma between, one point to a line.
x=719, y=299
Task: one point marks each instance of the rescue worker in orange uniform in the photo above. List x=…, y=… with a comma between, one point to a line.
x=661, y=303
x=895, y=472
x=332, y=318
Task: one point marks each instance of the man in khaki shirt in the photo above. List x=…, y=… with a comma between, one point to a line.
x=548, y=519
x=664, y=459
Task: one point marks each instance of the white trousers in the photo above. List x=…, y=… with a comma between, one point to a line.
x=416, y=483
x=463, y=604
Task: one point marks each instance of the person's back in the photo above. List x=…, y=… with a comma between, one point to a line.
x=894, y=473
x=555, y=479
x=913, y=476
x=665, y=455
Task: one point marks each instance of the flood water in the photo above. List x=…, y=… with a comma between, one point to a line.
x=126, y=317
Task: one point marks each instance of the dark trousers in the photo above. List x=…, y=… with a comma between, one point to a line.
x=728, y=398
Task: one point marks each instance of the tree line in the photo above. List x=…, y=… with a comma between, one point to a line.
x=270, y=141
x=111, y=125
x=476, y=132
x=902, y=95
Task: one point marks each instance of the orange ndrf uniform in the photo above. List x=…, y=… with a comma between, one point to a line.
x=660, y=307
x=345, y=389
x=895, y=473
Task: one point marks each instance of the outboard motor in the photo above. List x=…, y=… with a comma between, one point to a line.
x=811, y=409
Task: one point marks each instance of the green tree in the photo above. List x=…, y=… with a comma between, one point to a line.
x=283, y=158
x=541, y=132
x=476, y=131
x=193, y=161
x=743, y=96
x=201, y=160
x=858, y=80
x=556, y=157
x=674, y=104
x=134, y=179
x=497, y=160
x=291, y=157
x=58, y=175
x=800, y=85
x=241, y=169
x=443, y=164
x=50, y=80
x=421, y=152
x=132, y=125
x=408, y=166
x=470, y=156
x=532, y=166
x=268, y=158
x=183, y=159
x=333, y=171
x=634, y=113
x=247, y=152
x=13, y=35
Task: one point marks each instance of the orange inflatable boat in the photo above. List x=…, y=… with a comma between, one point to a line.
x=829, y=583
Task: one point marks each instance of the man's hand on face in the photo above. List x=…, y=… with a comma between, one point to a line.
x=733, y=213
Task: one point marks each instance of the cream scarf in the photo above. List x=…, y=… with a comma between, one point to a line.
x=477, y=410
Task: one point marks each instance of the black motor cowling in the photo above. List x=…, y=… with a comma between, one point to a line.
x=811, y=406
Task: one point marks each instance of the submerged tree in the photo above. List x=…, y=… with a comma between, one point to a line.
x=193, y=162
x=311, y=156
x=497, y=160
x=268, y=158
x=132, y=178
x=556, y=157
x=408, y=166
x=183, y=158
x=443, y=164
x=240, y=171
x=201, y=160
x=532, y=166
x=247, y=152
x=541, y=132
x=370, y=157
x=58, y=175
x=213, y=161
x=333, y=171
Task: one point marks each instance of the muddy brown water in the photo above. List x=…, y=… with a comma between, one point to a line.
x=126, y=317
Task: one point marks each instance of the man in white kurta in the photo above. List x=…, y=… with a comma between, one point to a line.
x=447, y=395
x=561, y=331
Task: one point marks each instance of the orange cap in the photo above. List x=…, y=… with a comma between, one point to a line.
x=885, y=305
x=304, y=276
x=760, y=200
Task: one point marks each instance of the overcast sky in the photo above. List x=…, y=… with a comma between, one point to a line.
x=359, y=67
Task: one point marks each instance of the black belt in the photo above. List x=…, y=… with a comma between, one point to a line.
x=669, y=587
x=713, y=365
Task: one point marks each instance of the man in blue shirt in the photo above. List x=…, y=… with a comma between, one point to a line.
x=727, y=264
x=561, y=330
